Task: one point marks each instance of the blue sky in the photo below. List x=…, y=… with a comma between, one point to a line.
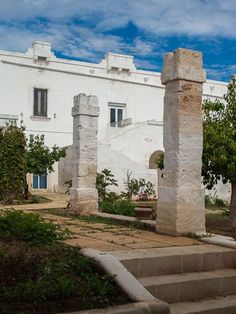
x=147, y=29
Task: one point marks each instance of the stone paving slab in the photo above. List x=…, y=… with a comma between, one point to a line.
x=76, y=230
x=95, y=244
x=118, y=239
x=56, y=218
x=147, y=245
x=151, y=236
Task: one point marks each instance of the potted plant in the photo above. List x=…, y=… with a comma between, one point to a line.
x=143, y=212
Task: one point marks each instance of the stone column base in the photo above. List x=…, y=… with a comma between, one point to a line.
x=180, y=211
x=84, y=200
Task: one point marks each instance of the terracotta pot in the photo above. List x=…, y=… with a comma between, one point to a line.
x=143, y=212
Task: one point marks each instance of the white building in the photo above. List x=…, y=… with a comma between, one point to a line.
x=38, y=88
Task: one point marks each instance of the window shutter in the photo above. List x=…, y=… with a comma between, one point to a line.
x=36, y=102
x=40, y=102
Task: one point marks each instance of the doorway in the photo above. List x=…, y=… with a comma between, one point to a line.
x=40, y=181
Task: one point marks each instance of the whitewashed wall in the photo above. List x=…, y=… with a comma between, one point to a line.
x=115, y=79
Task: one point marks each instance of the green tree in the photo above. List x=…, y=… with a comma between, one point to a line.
x=18, y=157
x=40, y=157
x=219, y=143
x=13, y=165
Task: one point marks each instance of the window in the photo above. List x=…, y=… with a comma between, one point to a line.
x=40, y=102
x=40, y=181
x=116, y=114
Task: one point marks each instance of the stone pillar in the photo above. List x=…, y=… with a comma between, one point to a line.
x=181, y=198
x=83, y=194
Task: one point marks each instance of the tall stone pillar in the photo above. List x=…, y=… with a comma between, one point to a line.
x=181, y=198
x=83, y=194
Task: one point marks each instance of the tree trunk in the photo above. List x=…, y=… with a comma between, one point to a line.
x=233, y=202
x=26, y=190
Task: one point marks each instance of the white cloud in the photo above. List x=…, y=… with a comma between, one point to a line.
x=147, y=65
x=219, y=71
x=22, y=22
x=160, y=17
x=86, y=43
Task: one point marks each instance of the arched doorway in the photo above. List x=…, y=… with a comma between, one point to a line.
x=153, y=165
x=154, y=156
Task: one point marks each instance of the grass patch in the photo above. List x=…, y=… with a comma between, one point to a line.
x=40, y=274
x=29, y=227
x=215, y=208
x=33, y=199
x=52, y=279
x=220, y=224
x=217, y=218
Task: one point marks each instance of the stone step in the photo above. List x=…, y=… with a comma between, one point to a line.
x=191, y=286
x=173, y=260
x=217, y=305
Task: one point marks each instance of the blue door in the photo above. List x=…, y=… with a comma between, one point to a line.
x=40, y=181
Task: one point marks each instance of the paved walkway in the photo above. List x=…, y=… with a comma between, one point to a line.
x=102, y=236
x=110, y=237
x=56, y=201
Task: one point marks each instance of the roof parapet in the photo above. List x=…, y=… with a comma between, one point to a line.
x=119, y=62
x=41, y=51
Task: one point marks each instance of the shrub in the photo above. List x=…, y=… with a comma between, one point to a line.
x=208, y=202
x=219, y=202
x=215, y=202
x=131, y=186
x=119, y=207
x=104, y=180
x=29, y=227
x=144, y=190
x=13, y=164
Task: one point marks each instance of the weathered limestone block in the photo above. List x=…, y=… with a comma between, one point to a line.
x=182, y=210
x=83, y=194
x=183, y=64
x=181, y=198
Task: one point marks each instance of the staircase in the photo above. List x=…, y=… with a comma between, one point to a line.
x=192, y=279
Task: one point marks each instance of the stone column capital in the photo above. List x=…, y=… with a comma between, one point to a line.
x=183, y=64
x=85, y=105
